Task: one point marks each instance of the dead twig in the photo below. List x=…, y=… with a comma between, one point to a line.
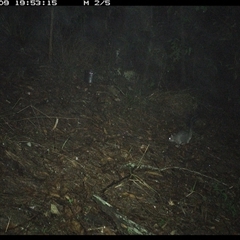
x=55, y=125
x=133, y=165
x=9, y=219
x=139, y=163
x=16, y=102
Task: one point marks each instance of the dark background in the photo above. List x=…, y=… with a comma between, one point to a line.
x=169, y=47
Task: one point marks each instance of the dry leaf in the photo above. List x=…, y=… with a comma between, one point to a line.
x=54, y=209
x=76, y=227
x=171, y=203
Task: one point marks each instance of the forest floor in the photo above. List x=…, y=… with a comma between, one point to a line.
x=81, y=159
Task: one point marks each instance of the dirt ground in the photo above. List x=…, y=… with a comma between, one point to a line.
x=81, y=159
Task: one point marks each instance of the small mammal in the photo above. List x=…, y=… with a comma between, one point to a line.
x=182, y=137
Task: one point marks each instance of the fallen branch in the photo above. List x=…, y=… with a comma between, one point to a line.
x=124, y=225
